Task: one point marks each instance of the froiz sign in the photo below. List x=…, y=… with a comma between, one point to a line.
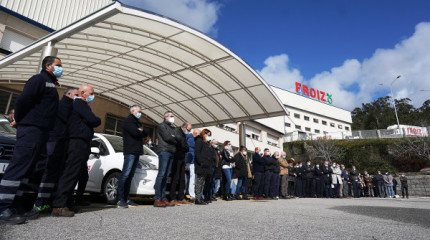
x=320, y=95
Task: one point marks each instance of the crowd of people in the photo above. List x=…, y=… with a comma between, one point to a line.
x=199, y=166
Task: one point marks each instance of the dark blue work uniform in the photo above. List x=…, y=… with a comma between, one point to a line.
x=35, y=112
x=56, y=149
x=81, y=131
x=318, y=181
x=299, y=181
x=274, y=186
x=268, y=175
x=258, y=170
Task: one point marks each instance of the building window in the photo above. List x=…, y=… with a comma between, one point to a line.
x=298, y=127
x=316, y=120
x=332, y=125
x=287, y=124
x=307, y=129
x=317, y=131
x=306, y=118
x=339, y=126
x=13, y=41
x=296, y=115
x=228, y=127
x=347, y=128
x=113, y=125
x=324, y=123
x=7, y=101
x=272, y=140
x=325, y=132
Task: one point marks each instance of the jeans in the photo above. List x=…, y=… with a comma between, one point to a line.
x=390, y=191
x=217, y=185
x=164, y=166
x=227, y=174
x=192, y=182
x=381, y=189
x=345, y=188
x=240, y=188
x=233, y=185
x=127, y=174
x=405, y=189
x=356, y=189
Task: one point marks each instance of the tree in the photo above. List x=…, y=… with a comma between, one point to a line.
x=418, y=148
x=323, y=148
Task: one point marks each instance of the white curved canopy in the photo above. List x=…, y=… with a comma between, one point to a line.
x=135, y=57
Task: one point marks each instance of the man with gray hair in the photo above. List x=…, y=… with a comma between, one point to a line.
x=178, y=167
x=56, y=149
x=167, y=141
x=133, y=135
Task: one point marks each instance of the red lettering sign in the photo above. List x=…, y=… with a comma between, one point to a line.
x=320, y=95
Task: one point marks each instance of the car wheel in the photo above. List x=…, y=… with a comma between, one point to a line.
x=109, y=188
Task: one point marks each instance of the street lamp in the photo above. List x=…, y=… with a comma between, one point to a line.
x=394, y=103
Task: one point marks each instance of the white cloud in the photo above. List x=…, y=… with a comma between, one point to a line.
x=199, y=14
x=355, y=82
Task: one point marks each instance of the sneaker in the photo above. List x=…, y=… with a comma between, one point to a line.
x=131, y=203
x=45, y=208
x=9, y=217
x=122, y=204
x=32, y=214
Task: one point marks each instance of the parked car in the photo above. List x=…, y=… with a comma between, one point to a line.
x=105, y=165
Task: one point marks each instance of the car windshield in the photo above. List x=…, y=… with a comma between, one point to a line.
x=115, y=141
x=4, y=126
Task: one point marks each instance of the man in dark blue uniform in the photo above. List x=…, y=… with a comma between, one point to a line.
x=327, y=179
x=268, y=172
x=81, y=131
x=35, y=112
x=56, y=147
x=299, y=180
x=258, y=171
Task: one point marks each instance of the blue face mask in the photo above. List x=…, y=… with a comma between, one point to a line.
x=90, y=99
x=138, y=115
x=76, y=97
x=149, y=143
x=186, y=132
x=215, y=146
x=58, y=71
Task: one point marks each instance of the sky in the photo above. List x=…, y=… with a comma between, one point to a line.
x=352, y=49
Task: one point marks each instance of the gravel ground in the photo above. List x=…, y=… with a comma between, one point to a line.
x=283, y=219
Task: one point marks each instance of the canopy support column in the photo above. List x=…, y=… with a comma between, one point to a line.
x=48, y=50
x=242, y=134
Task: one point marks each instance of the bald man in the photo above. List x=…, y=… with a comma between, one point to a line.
x=81, y=131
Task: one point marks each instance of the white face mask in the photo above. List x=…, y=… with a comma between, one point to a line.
x=208, y=138
x=244, y=152
x=172, y=119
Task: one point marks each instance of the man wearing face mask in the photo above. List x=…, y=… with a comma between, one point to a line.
x=404, y=182
x=81, y=131
x=35, y=112
x=318, y=181
x=353, y=175
x=283, y=166
x=240, y=171
x=190, y=162
x=327, y=171
x=258, y=172
x=178, y=167
x=299, y=180
x=309, y=171
x=268, y=172
x=274, y=184
x=133, y=135
x=167, y=141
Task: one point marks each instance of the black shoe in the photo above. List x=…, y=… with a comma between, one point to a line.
x=245, y=197
x=237, y=197
x=9, y=217
x=32, y=214
x=208, y=201
x=200, y=202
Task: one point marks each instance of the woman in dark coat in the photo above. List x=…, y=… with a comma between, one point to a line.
x=204, y=157
x=240, y=171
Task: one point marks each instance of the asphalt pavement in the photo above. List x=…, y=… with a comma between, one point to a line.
x=364, y=218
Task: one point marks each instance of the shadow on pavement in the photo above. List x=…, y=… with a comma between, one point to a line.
x=416, y=216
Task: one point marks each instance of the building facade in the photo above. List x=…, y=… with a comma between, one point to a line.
x=312, y=119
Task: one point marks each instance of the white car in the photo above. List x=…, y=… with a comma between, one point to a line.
x=105, y=165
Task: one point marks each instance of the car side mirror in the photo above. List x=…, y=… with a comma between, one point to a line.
x=95, y=152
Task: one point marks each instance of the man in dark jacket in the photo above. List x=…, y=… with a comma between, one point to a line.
x=133, y=135
x=268, y=172
x=309, y=172
x=353, y=175
x=178, y=168
x=167, y=141
x=318, y=180
x=258, y=172
x=56, y=149
x=292, y=173
x=299, y=180
x=327, y=179
x=380, y=184
x=81, y=131
x=35, y=112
